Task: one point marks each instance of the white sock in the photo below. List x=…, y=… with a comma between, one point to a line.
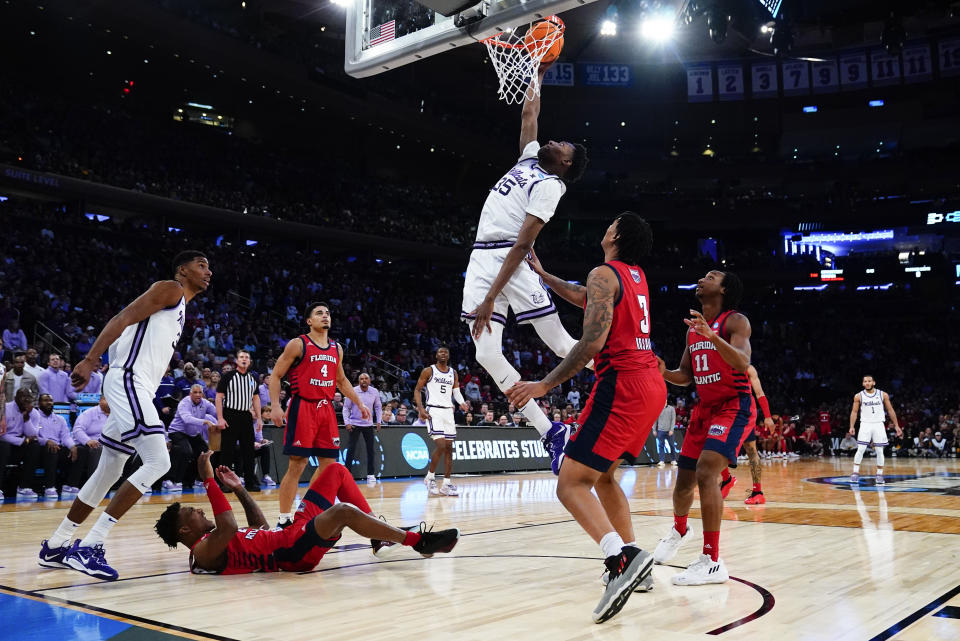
x=879, y=452
x=611, y=544
x=63, y=534
x=286, y=517
x=879, y=471
x=431, y=476
x=98, y=533
x=446, y=481
x=536, y=417
x=856, y=468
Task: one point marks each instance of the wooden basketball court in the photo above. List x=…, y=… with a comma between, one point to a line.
x=818, y=561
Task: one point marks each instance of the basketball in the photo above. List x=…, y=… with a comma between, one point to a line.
x=548, y=33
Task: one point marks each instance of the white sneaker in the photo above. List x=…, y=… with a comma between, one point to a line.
x=50, y=493
x=661, y=464
x=26, y=493
x=371, y=479
x=668, y=545
x=702, y=571
x=1, y=496
x=432, y=486
x=198, y=486
x=427, y=480
x=673, y=462
x=170, y=486
x=449, y=489
x=269, y=482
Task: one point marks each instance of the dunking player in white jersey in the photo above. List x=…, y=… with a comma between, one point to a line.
x=142, y=339
x=441, y=384
x=515, y=211
x=871, y=403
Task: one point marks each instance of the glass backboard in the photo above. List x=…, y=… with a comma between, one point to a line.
x=385, y=34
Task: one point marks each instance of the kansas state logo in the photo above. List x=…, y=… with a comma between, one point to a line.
x=717, y=430
x=538, y=298
x=636, y=275
x=946, y=483
x=415, y=451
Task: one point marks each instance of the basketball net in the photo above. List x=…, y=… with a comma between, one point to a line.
x=517, y=60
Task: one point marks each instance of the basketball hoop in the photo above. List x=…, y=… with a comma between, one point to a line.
x=516, y=56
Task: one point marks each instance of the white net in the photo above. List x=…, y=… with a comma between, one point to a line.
x=516, y=57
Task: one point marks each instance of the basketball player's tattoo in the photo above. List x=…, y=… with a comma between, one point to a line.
x=597, y=318
x=251, y=510
x=565, y=289
x=755, y=470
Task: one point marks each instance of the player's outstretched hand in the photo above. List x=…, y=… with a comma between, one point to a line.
x=523, y=391
x=699, y=324
x=80, y=375
x=365, y=412
x=534, y=263
x=229, y=478
x=204, y=467
x=481, y=318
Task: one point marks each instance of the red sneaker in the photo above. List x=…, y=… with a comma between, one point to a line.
x=756, y=498
x=726, y=486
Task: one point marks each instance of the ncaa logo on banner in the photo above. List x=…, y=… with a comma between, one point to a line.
x=415, y=451
x=717, y=430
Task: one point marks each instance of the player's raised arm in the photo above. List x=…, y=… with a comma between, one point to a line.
x=207, y=552
x=530, y=115
x=570, y=292
x=291, y=354
x=251, y=510
x=603, y=287
x=417, y=398
x=343, y=384
x=736, y=352
x=854, y=411
x=161, y=295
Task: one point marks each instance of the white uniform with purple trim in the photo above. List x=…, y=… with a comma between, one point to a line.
x=873, y=419
x=138, y=360
x=440, y=404
x=526, y=189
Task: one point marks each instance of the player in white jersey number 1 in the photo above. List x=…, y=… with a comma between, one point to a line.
x=871, y=403
x=515, y=211
x=141, y=339
x=440, y=381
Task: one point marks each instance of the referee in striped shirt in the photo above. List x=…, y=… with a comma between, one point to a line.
x=238, y=406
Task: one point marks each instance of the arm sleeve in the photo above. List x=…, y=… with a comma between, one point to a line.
x=457, y=396
x=544, y=198
x=31, y=427
x=377, y=409
x=184, y=414
x=211, y=410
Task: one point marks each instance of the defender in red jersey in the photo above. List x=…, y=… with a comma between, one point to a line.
x=715, y=360
x=622, y=408
x=313, y=365
x=223, y=548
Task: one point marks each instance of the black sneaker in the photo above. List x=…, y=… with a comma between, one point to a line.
x=432, y=542
x=626, y=571
x=283, y=525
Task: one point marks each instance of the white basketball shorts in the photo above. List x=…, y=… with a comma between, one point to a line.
x=875, y=432
x=524, y=293
x=132, y=413
x=440, y=424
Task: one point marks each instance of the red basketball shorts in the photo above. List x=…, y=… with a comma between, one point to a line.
x=721, y=428
x=311, y=429
x=618, y=417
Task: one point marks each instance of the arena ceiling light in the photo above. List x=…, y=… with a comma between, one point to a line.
x=340, y=3
x=608, y=28
x=657, y=28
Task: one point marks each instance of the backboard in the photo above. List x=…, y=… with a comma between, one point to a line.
x=386, y=34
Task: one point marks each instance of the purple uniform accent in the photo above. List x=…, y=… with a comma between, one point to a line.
x=89, y=425
x=54, y=428
x=17, y=428
x=190, y=416
x=370, y=398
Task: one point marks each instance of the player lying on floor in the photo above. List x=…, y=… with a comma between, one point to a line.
x=221, y=547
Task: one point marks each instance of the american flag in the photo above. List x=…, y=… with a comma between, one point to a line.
x=382, y=33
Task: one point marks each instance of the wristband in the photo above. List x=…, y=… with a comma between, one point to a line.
x=217, y=499
x=765, y=406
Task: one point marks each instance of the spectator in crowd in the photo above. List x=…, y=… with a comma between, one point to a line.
x=31, y=365
x=925, y=443
x=59, y=451
x=185, y=382
x=388, y=418
x=262, y=447
x=18, y=378
x=848, y=445
x=573, y=397
x=358, y=426
x=403, y=416
x=195, y=415
x=488, y=420
x=165, y=399
x=665, y=425
x=238, y=405
x=210, y=388
x=14, y=338
x=938, y=445
x=265, y=390
x=468, y=419
x=519, y=420
x=810, y=442
x=337, y=403
x=86, y=434
x=472, y=390
x=504, y=421
x=55, y=382
x=18, y=445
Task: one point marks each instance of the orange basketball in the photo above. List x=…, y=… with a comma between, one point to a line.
x=548, y=30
